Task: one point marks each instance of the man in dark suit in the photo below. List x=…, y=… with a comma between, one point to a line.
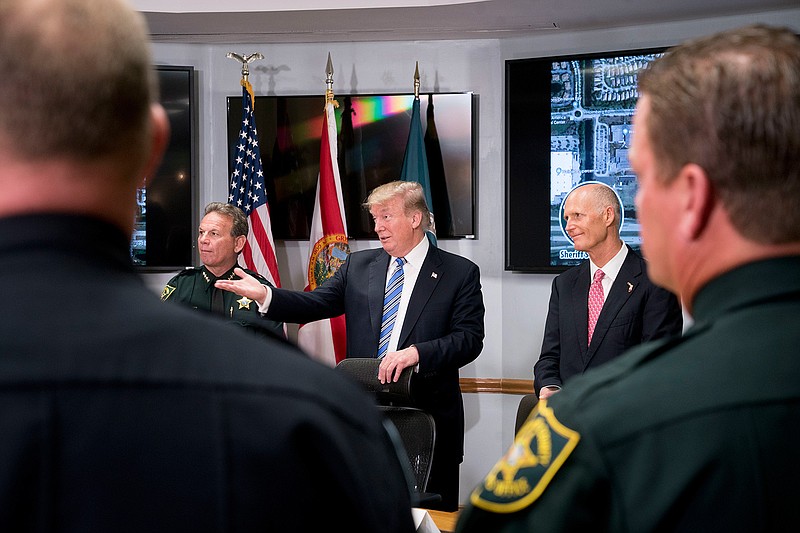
x=118, y=412
x=632, y=309
x=439, y=325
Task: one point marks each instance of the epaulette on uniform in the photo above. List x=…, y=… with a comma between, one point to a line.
x=255, y=274
x=187, y=270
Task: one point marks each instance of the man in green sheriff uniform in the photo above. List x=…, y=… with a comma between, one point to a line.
x=699, y=433
x=222, y=236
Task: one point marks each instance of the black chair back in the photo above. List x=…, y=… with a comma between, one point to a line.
x=524, y=409
x=418, y=432
x=365, y=371
x=416, y=428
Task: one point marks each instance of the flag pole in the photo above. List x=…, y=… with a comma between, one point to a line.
x=326, y=340
x=248, y=188
x=415, y=159
x=416, y=81
x=329, y=83
x=245, y=60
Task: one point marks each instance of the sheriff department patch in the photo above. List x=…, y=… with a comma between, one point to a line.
x=520, y=477
x=167, y=292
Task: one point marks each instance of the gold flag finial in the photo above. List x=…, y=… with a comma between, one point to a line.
x=416, y=81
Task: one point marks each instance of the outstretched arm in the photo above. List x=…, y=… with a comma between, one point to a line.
x=246, y=286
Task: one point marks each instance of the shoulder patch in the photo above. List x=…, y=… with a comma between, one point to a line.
x=520, y=477
x=167, y=292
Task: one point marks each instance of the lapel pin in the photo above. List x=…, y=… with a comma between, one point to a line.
x=630, y=287
x=434, y=275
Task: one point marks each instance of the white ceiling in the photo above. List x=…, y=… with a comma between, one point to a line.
x=306, y=21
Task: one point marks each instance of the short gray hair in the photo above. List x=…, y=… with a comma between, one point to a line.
x=237, y=216
x=77, y=79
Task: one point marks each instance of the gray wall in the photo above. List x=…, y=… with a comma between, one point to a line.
x=516, y=303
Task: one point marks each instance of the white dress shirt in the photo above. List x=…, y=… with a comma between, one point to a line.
x=411, y=270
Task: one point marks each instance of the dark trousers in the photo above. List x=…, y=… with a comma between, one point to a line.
x=444, y=480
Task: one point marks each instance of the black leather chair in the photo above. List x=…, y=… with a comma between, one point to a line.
x=416, y=428
x=526, y=405
x=365, y=371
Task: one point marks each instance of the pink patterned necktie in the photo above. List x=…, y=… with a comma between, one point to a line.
x=596, y=300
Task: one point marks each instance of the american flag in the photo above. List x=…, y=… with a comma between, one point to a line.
x=249, y=193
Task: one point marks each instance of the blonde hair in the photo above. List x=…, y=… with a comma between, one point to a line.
x=410, y=191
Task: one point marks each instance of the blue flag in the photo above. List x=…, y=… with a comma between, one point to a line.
x=415, y=163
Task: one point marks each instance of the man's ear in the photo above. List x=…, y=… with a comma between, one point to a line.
x=416, y=219
x=239, y=242
x=698, y=200
x=609, y=215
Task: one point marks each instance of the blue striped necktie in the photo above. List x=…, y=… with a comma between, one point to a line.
x=391, y=303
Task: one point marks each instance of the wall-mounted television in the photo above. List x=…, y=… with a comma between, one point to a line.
x=164, y=231
x=567, y=122
x=372, y=134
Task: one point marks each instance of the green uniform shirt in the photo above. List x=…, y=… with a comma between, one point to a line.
x=699, y=433
x=195, y=287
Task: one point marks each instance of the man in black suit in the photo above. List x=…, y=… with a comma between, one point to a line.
x=439, y=326
x=117, y=412
x=633, y=310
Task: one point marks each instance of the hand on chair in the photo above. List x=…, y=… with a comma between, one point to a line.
x=393, y=363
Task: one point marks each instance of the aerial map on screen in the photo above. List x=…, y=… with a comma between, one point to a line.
x=592, y=105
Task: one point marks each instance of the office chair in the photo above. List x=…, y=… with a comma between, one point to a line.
x=418, y=434
x=365, y=371
x=526, y=405
x=416, y=428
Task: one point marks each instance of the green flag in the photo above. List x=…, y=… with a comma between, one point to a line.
x=415, y=163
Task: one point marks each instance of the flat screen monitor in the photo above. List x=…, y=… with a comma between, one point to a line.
x=568, y=122
x=164, y=231
x=372, y=135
